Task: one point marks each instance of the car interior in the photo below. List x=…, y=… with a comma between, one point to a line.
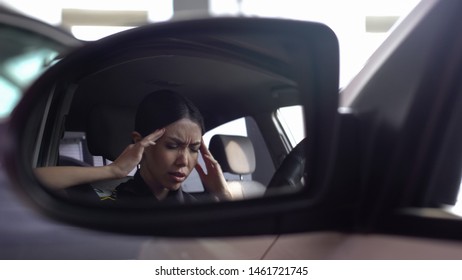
x=94, y=118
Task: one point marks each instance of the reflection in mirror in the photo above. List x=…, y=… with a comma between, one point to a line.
x=183, y=119
x=101, y=137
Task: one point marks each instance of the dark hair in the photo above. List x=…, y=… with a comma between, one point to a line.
x=163, y=107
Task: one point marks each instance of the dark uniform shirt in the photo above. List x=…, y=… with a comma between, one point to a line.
x=135, y=192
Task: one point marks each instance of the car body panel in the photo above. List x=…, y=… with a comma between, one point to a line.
x=342, y=246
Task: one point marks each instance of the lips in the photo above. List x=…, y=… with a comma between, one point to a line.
x=177, y=176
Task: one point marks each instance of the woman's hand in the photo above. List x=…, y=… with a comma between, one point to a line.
x=214, y=181
x=60, y=177
x=133, y=154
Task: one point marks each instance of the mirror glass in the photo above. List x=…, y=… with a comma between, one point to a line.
x=125, y=121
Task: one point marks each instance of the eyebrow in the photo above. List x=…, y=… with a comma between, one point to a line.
x=179, y=141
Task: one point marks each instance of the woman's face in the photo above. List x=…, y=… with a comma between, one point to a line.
x=168, y=163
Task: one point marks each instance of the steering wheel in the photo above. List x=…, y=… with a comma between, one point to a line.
x=291, y=172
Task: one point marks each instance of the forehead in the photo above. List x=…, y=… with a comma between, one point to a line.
x=185, y=130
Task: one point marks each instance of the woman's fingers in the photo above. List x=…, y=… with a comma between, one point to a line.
x=210, y=161
x=152, y=138
x=133, y=153
x=155, y=135
x=214, y=180
x=205, y=152
x=200, y=170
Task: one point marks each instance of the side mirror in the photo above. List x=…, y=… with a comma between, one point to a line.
x=230, y=68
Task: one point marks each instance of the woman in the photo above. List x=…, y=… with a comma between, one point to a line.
x=166, y=145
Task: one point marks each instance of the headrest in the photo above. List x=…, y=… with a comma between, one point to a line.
x=108, y=131
x=234, y=153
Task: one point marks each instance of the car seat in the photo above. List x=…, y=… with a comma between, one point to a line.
x=108, y=131
x=236, y=155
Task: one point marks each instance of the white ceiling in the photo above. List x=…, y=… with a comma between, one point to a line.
x=360, y=25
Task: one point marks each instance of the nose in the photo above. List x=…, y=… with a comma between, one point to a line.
x=182, y=158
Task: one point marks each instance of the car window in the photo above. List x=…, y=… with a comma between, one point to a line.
x=457, y=208
x=236, y=127
x=25, y=55
x=292, y=122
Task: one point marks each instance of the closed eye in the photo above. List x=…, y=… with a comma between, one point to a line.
x=194, y=148
x=172, y=146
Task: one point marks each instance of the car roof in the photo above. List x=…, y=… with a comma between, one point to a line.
x=217, y=77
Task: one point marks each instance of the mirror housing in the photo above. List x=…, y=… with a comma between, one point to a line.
x=310, y=59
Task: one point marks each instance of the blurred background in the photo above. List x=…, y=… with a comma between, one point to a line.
x=360, y=25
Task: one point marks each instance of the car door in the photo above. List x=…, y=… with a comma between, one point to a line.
x=406, y=102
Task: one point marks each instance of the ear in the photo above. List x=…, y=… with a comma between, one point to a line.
x=136, y=137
